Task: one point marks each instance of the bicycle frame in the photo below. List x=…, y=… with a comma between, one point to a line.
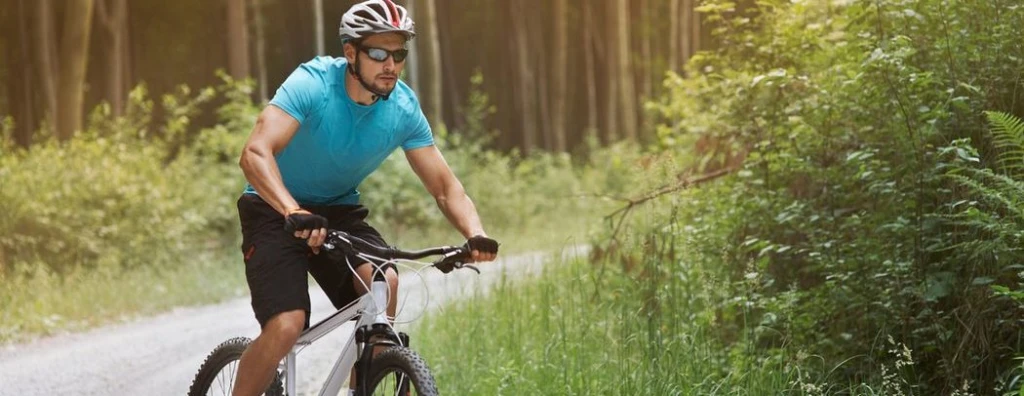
x=369, y=308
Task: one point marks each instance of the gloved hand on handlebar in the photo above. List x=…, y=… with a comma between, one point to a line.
x=482, y=248
x=308, y=226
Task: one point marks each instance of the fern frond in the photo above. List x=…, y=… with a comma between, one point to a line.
x=1008, y=138
x=1003, y=192
x=1005, y=184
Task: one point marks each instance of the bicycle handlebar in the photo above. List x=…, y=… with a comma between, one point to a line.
x=452, y=257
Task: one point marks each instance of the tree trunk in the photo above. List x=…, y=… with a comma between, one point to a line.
x=318, y=16
x=19, y=63
x=45, y=46
x=238, y=40
x=412, y=62
x=74, y=53
x=525, y=76
x=686, y=34
x=694, y=29
x=534, y=14
x=644, y=71
x=126, y=51
x=429, y=59
x=112, y=15
x=612, y=98
x=450, y=73
x=589, y=66
x=261, y=49
x=674, y=35
x=559, y=69
x=625, y=71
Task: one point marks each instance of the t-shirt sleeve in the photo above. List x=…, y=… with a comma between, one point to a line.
x=300, y=94
x=419, y=132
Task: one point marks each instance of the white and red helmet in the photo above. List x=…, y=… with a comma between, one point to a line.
x=375, y=16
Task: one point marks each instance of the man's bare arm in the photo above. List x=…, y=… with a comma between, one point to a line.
x=274, y=129
x=437, y=177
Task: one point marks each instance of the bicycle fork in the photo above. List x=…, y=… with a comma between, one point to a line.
x=370, y=335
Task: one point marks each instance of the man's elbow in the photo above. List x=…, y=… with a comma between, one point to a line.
x=441, y=199
x=250, y=154
x=452, y=191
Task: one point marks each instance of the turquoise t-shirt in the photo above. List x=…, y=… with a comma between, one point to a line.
x=340, y=142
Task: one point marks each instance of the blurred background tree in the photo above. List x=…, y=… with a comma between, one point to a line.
x=543, y=65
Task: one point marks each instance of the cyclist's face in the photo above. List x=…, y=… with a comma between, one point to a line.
x=381, y=75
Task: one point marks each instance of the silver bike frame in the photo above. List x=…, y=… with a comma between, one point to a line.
x=370, y=308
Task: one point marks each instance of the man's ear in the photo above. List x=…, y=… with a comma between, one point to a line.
x=350, y=52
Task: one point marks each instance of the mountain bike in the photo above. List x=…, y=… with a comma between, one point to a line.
x=394, y=369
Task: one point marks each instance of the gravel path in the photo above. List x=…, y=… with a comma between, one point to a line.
x=159, y=355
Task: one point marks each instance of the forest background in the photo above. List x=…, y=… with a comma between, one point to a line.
x=782, y=197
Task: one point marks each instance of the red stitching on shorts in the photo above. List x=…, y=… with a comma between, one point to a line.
x=248, y=253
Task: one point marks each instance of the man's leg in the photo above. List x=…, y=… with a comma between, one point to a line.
x=275, y=270
x=259, y=362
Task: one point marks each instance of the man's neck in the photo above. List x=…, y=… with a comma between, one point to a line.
x=356, y=91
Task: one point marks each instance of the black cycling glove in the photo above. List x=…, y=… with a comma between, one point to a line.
x=303, y=220
x=482, y=244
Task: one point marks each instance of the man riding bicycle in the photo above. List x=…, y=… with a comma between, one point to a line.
x=330, y=124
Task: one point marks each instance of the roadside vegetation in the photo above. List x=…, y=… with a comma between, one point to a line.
x=867, y=238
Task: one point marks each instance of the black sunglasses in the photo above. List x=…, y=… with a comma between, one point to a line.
x=381, y=55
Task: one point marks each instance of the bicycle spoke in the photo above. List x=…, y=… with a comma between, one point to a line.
x=393, y=384
x=225, y=380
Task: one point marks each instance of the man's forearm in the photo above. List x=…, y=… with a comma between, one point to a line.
x=461, y=212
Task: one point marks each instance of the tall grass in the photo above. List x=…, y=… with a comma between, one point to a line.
x=596, y=326
x=570, y=333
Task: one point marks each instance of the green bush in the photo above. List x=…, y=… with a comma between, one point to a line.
x=837, y=233
x=115, y=195
x=88, y=217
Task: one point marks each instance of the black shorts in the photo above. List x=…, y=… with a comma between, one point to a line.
x=276, y=262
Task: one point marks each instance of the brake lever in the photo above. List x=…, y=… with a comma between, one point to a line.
x=458, y=261
x=470, y=266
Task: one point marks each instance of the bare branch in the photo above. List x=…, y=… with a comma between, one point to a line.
x=631, y=203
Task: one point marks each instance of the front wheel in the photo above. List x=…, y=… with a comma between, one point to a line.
x=217, y=374
x=400, y=371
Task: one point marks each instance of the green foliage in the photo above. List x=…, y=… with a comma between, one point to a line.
x=118, y=200
x=989, y=226
x=1008, y=138
x=854, y=217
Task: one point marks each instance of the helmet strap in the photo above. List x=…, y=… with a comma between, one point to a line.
x=359, y=77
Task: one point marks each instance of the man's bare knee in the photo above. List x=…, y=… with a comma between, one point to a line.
x=392, y=277
x=285, y=326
